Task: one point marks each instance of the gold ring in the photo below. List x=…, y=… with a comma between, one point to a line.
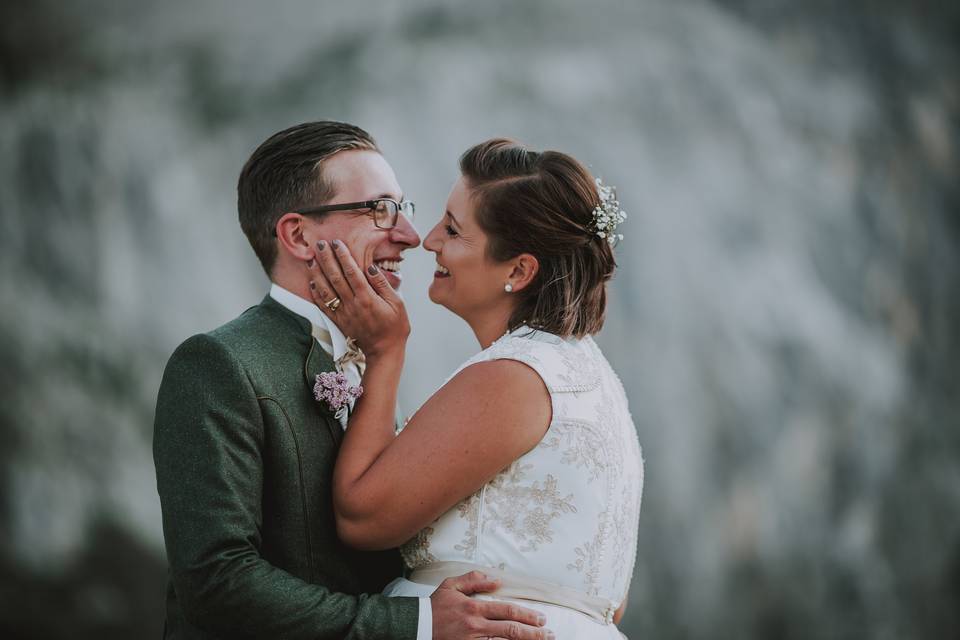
x=332, y=305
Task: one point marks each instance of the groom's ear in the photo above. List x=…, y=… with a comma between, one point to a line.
x=290, y=233
x=525, y=268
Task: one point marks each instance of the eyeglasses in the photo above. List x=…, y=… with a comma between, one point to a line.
x=385, y=211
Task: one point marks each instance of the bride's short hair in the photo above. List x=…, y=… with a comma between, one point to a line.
x=542, y=203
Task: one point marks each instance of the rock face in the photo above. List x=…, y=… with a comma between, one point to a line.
x=785, y=317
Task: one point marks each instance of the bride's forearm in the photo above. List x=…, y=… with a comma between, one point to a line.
x=370, y=431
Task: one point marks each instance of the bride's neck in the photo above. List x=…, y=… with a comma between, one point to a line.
x=490, y=326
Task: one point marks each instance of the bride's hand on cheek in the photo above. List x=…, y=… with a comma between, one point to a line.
x=369, y=310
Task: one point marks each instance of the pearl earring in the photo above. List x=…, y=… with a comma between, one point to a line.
x=508, y=288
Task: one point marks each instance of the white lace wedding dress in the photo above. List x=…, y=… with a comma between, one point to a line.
x=558, y=527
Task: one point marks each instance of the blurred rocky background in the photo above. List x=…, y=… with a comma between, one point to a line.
x=785, y=319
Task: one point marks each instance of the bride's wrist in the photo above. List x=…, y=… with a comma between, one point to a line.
x=391, y=351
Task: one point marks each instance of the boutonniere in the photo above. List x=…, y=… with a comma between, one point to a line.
x=332, y=388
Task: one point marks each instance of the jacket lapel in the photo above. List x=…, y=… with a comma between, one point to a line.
x=317, y=361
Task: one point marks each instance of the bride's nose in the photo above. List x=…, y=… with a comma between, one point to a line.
x=432, y=241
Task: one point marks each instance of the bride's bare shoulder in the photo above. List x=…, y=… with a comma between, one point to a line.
x=504, y=400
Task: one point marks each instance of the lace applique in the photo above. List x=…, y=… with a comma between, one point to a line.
x=583, y=446
x=526, y=511
x=416, y=551
x=588, y=560
x=563, y=368
x=578, y=372
x=469, y=509
x=590, y=555
x=624, y=521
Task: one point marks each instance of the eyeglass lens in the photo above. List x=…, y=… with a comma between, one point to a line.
x=386, y=212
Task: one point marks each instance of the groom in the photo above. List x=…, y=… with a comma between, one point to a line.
x=245, y=454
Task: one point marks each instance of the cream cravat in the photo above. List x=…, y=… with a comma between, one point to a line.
x=353, y=354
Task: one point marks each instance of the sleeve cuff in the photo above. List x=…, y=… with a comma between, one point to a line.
x=425, y=620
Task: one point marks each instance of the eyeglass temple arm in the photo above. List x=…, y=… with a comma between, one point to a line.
x=366, y=204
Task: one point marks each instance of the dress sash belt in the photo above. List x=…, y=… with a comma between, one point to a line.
x=521, y=587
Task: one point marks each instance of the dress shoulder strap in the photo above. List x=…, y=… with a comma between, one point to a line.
x=565, y=365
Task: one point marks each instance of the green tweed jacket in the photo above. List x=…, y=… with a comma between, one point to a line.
x=244, y=458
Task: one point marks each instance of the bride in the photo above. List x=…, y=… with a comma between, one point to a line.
x=525, y=464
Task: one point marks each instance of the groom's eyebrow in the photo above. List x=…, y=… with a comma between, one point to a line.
x=454, y=219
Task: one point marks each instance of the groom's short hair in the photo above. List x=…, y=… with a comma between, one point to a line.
x=285, y=173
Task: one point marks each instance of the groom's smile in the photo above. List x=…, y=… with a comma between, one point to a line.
x=358, y=176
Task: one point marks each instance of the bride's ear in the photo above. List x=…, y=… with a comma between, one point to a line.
x=525, y=268
x=289, y=229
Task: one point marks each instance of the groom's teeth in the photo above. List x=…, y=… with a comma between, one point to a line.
x=389, y=265
x=442, y=269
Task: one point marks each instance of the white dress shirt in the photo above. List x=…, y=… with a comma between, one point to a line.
x=337, y=349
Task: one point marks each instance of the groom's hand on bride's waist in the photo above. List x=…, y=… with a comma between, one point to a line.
x=457, y=616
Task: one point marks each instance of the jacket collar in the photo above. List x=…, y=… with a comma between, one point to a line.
x=317, y=360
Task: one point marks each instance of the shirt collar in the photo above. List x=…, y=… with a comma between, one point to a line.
x=306, y=309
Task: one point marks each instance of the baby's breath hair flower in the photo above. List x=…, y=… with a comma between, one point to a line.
x=608, y=215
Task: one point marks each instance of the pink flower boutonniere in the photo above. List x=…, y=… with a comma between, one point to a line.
x=331, y=387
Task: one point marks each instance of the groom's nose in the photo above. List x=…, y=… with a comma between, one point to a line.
x=404, y=233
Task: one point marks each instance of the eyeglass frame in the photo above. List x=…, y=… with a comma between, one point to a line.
x=365, y=204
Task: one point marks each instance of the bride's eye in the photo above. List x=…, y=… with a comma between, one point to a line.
x=450, y=231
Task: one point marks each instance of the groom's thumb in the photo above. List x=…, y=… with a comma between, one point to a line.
x=473, y=582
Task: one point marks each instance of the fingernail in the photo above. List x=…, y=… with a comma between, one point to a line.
x=541, y=620
x=335, y=244
x=372, y=269
x=550, y=635
x=310, y=263
x=321, y=245
x=313, y=285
